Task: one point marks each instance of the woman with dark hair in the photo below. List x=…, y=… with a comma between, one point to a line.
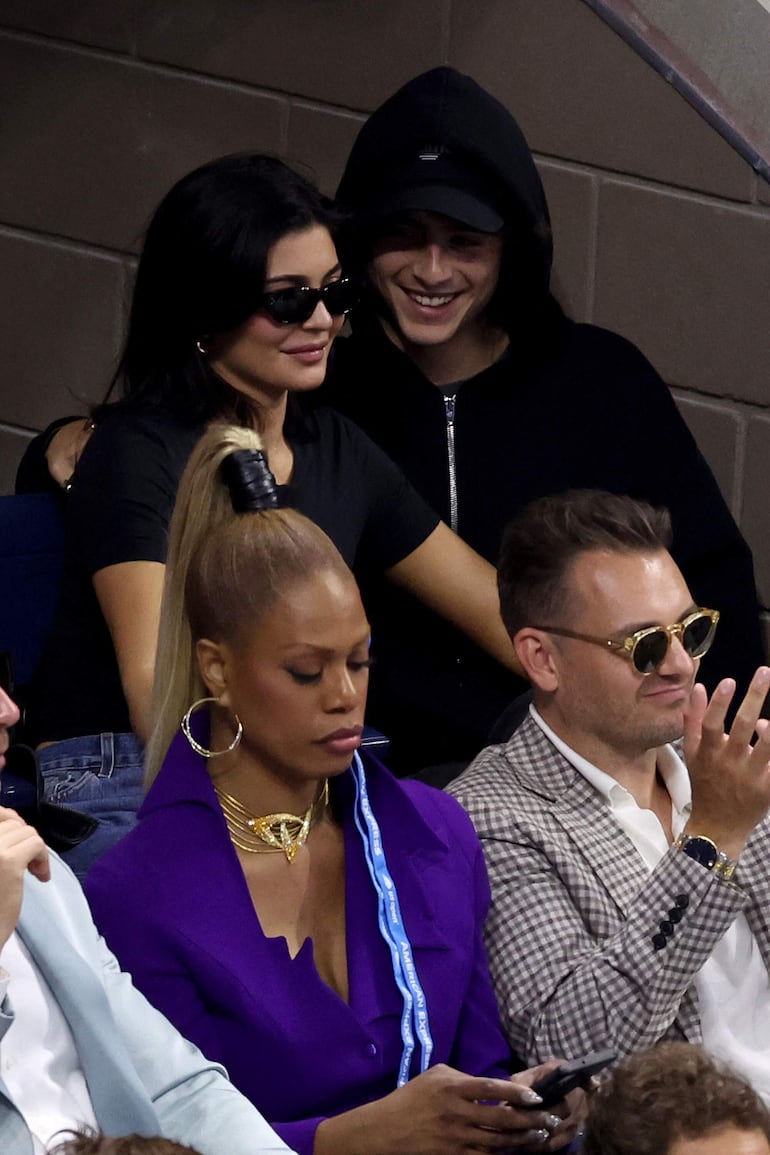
x=239, y=296
x=296, y=911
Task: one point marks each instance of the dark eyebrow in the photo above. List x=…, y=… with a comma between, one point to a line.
x=296, y=279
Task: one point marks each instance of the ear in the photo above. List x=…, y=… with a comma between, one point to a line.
x=535, y=650
x=212, y=664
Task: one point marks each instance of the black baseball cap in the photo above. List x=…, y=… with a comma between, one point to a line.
x=438, y=181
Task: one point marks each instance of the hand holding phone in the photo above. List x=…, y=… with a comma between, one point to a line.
x=558, y=1083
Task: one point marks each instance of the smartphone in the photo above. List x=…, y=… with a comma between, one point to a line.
x=558, y=1083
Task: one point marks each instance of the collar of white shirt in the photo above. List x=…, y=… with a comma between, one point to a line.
x=670, y=767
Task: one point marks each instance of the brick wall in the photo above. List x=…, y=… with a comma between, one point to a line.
x=662, y=232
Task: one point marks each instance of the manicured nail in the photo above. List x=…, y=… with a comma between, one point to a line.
x=531, y=1098
x=552, y=1122
x=538, y=1136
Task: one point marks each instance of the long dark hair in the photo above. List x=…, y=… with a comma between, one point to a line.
x=201, y=272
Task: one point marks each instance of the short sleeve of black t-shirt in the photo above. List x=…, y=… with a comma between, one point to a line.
x=118, y=510
x=125, y=488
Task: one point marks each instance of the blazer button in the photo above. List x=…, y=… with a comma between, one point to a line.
x=659, y=941
x=675, y=914
x=666, y=927
x=682, y=901
x=371, y=1049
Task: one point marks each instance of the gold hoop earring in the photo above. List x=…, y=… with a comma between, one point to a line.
x=201, y=347
x=196, y=745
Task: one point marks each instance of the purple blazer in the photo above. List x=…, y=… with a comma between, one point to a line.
x=172, y=902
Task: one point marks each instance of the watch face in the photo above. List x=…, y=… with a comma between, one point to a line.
x=702, y=850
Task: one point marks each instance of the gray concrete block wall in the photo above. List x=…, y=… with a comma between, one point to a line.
x=661, y=230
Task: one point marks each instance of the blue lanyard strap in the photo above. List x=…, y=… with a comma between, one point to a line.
x=414, y=1016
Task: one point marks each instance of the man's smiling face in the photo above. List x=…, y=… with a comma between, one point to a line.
x=435, y=275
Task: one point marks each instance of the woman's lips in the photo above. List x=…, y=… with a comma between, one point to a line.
x=343, y=741
x=308, y=354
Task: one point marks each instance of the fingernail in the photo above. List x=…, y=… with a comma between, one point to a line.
x=531, y=1098
x=552, y=1122
x=538, y=1136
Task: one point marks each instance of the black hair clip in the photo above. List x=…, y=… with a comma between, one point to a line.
x=251, y=484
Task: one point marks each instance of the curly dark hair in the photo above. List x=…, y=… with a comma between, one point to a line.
x=87, y=1142
x=673, y=1091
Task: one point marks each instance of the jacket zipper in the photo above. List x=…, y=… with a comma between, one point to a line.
x=449, y=406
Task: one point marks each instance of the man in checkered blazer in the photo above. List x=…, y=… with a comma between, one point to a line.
x=630, y=871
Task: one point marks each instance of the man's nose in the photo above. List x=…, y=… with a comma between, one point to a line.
x=431, y=264
x=677, y=660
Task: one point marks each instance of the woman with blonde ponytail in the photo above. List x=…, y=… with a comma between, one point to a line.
x=304, y=917
x=199, y=508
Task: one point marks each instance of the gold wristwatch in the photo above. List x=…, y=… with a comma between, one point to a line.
x=707, y=853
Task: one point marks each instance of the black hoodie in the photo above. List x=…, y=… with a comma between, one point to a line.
x=567, y=406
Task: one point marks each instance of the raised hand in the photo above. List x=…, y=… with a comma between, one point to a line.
x=730, y=776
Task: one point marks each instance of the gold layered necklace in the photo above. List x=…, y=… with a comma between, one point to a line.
x=271, y=832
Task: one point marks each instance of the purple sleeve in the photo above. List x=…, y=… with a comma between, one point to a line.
x=299, y=1135
x=145, y=946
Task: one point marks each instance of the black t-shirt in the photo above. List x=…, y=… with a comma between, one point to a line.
x=119, y=510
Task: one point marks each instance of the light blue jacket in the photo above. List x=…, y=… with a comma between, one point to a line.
x=142, y=1075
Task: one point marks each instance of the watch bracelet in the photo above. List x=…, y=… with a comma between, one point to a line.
x=724, y=866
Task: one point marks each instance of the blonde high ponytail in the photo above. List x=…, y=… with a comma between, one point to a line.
x=223, y=570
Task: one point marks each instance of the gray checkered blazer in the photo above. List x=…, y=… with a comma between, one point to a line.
x=584, y=949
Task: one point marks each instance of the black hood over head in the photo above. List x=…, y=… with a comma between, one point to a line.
x=445, y=111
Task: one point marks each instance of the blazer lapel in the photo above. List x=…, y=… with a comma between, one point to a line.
x=120, y=1102
x=587, y=822
x=582, y=813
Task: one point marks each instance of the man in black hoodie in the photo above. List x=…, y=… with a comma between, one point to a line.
x=464, y=368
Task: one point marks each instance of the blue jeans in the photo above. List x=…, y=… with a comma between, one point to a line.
x=100, y=775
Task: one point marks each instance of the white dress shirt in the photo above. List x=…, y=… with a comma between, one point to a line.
x=733, y=985
x=38, y=1060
